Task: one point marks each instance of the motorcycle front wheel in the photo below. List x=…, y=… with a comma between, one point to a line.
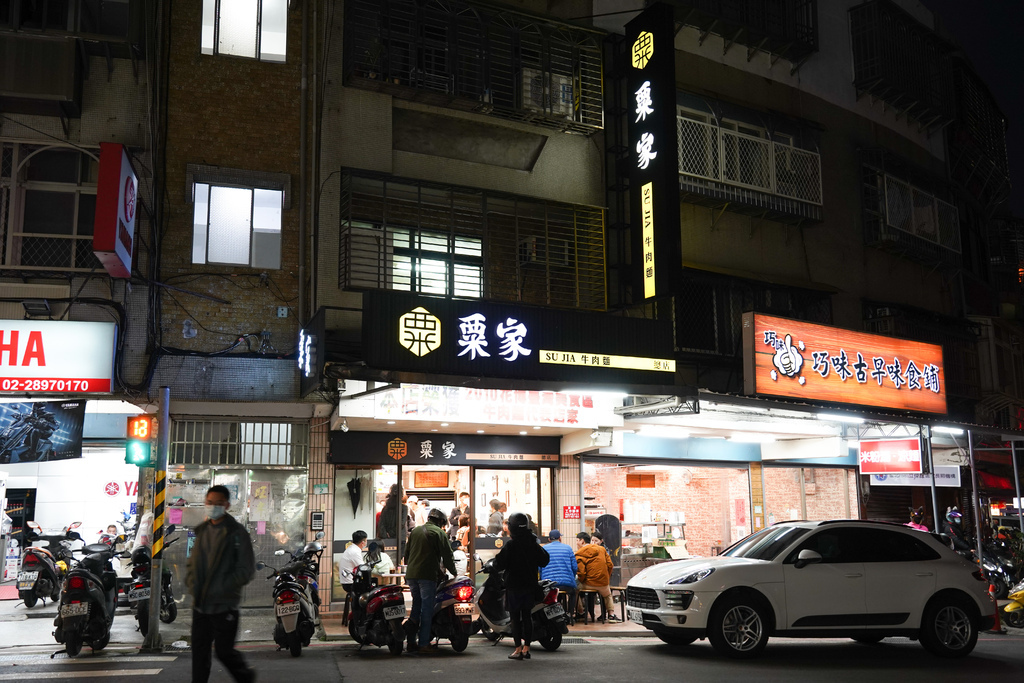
x=169, y=613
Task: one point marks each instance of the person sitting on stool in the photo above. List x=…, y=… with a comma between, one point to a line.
x=562, y=567
x=594, y=570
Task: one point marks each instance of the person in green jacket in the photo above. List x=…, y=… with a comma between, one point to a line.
x=427, y=549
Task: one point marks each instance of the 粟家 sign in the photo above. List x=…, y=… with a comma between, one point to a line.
x=892, y=456
x=475, y=338
x=795, y=359
x=50, y=356
x=653, y=155
x=408, y=448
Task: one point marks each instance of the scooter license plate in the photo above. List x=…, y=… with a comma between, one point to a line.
x=286, y=608
x=463, y=608
x=138, y=594
x=553, y=611
x=396, y=612
x=74, y=609
x=26, y=580
x=635, y=615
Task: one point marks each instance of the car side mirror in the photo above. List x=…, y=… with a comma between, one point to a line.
x=806, y=557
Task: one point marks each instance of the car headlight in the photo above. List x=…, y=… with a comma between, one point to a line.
x=694, y=577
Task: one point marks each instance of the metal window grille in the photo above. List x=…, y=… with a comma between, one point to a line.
x=477, y=58
x=211, y=442
x=416, y=236
x=713, y=153
x=921, y=214
x=46, y=222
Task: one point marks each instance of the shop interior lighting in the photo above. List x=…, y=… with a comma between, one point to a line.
x=840, y=417
x=391, y=422
x=668, y=431
x=955, y=431
x=536, y=427
x=344, y=425
x=479, y=431
x=522, y=433
x=444, y=424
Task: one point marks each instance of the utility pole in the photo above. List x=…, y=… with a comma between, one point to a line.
x=153, y=642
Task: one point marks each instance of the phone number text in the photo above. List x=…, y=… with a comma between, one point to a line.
x=52, y=384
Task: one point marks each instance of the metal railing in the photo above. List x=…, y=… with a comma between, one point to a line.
x=921, y=214
x=713, y=153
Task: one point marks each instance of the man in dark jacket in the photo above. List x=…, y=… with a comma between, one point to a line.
x=220, y=565
x=427, y=548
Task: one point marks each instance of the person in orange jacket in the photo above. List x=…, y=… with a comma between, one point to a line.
x=594, y=571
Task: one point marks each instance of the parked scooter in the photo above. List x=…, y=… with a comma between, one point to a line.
x=495, y=623
x=376, y=615
x=87, y=602
x=297, y=597
x=43, y=568
x=1013, y=613
x=453, y=615
x=139, y=588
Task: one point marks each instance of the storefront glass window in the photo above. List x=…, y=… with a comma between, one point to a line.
x=809, y=493
x=359, y=501
x=499, y=493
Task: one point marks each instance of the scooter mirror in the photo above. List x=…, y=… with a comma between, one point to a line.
x=260, y=565
x=34, y=526
x=320, y=535
x=121, y=539
x=279, y=552
x=169, y=531
x=74, y=525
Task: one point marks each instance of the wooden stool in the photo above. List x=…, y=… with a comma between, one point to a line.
x=588, y=613
x=565, y=599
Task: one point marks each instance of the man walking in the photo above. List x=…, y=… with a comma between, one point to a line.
x=561, y=568
x=220, y=565
x=427, y=548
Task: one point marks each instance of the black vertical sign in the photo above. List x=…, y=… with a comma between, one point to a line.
x=654, y=166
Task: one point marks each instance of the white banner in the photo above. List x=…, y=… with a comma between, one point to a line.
x=585, y=410
x=56, y=356
x=944, y=476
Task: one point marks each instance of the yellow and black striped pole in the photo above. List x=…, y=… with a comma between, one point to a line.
x=153, y=641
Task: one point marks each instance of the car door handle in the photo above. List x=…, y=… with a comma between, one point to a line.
x=853, y=576
x=924, y=574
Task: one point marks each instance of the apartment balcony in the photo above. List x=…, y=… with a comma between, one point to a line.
x=747, y=174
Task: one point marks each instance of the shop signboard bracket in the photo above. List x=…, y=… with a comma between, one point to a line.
x=651, y=406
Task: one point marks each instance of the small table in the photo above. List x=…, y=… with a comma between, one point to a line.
x=395, y=578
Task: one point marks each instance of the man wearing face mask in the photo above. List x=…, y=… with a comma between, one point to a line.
x=220, y=565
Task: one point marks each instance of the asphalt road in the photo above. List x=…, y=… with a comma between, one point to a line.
x=997, y=658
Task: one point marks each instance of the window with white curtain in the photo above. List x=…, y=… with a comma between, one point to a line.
x=246, y=28
x=237, y=226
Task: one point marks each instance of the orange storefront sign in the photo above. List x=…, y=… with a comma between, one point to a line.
x=795, y=359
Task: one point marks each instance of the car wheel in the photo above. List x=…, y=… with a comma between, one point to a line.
x=868, y=640
x=948, y=628
x=675, y=638
x=738, y=626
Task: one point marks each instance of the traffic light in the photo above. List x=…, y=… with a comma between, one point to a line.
x=138, y=446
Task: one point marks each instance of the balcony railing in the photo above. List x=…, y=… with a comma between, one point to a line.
x=747, y=162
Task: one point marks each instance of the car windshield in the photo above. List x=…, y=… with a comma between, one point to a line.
x=766, y=544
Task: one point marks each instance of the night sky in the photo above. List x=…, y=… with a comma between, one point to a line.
x=991, y=33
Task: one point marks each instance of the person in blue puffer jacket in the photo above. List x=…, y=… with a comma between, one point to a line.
x=562, y=567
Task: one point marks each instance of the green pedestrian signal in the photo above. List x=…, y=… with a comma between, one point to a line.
x=138, y=445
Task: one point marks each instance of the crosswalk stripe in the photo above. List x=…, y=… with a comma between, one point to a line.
x=80, y=674
x=43, y=660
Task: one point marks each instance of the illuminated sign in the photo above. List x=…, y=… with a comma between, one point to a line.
x=802, y=360
x=948, y=476
x=410, y=332
x=605, y=361
x=307, y=353
x=893, y=456
x=654, y=169
x=48, y=356
x=371, y=448
x=117, y=189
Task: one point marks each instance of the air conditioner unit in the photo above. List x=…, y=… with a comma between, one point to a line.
x=562, y=100
x=534, y=95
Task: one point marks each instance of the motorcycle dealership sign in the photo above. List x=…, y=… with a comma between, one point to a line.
x=117, y=190
x=801, y=360
x=892, y=456
x=50, y=356
x=42, y=431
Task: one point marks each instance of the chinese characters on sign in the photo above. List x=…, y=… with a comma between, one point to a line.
x=893, y=456
x=647, y=218
x=799, y=359
x=608, y=361
x=570, y=512
x=473, y=341
x=419, y=331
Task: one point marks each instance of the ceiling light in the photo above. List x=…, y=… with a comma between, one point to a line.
x=391, y=422
x=344, y=425
x=746, y=437
x=522, y=433
x=955, y=431
x=536, y=427
x=840, y=417
x=444, y=424
x=433, y=430
x=667, y=431
x=479, y=431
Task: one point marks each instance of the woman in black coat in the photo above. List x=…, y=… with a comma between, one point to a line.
x=521, y=559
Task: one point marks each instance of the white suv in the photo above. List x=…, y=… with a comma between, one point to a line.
x=858, y=579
